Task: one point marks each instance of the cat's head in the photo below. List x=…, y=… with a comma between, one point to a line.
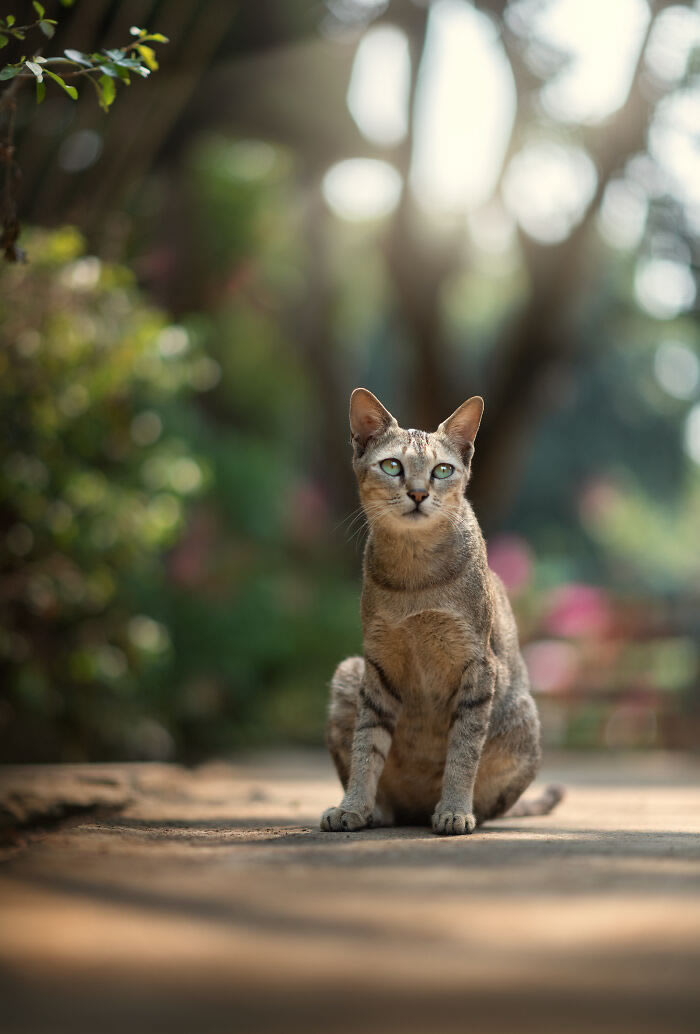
x=411, y=479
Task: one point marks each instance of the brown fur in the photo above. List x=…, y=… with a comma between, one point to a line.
x=436, y=721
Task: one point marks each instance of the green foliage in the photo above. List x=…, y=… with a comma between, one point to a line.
x=156, y=604
x=91, y=490
x=102, y=68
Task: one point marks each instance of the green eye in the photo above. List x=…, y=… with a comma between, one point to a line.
x=392, y=467
x=443, y=470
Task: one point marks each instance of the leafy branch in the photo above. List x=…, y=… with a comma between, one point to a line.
x=104, y=69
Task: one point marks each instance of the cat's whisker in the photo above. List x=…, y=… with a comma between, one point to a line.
x=358, y=519
x=349, y=518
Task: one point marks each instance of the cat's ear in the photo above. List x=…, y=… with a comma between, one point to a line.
x=368, y=417
x=462, y=426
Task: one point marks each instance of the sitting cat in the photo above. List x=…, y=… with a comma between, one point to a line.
x=437, y=718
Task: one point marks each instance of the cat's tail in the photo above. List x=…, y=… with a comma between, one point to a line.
x=542, y=805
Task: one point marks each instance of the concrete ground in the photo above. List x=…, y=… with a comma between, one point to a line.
x=152, y=898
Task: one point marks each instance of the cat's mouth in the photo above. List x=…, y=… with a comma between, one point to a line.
x=415, y=512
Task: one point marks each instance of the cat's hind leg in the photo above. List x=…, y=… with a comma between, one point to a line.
x=508, y=764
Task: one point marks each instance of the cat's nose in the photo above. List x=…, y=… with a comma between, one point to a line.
x=417, y=495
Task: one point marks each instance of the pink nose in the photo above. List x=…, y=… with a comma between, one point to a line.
x=417, y=495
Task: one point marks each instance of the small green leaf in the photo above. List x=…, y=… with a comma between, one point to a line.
x=70, y=90
x=149, y=56
x=109, y=91
x=98, y=91
x=38, y=8
x=9, y=71
x=10, y=20
x=40, y=91
x=3, y=41
x=47, y=28
x=158, y=37
x=78, y=57
x=119, y=58
x=35, y=69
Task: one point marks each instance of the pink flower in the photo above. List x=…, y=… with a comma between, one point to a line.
x=511, y=559
x=578, y=611
x=552, y=665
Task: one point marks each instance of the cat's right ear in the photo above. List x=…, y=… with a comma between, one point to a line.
x=368, y=418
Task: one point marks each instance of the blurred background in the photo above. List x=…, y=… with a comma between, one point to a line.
x=432, y=200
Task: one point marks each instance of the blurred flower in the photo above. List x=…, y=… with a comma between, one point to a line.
x=111, y=662
x=552, y=665
x=598, y=499
x=146, y=428
x=147, y=634
x=20, y=539
x=173, y=341
x=205, y=373
x=307, y=512
x=83, y=274
x=631, y=725
x=151, y=740
x=185, y=475
x=511, y=559
x=577, y=610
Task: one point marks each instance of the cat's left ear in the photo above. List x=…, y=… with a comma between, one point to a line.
x=462, y=426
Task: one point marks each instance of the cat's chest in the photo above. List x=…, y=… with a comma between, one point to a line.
x=425, y=652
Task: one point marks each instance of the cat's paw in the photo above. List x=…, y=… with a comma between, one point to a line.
x=453, y=823
x=338, y=820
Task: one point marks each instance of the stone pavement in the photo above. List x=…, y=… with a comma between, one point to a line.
x=152, y=898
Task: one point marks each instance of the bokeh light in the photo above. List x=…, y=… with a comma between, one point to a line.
x=362, y=189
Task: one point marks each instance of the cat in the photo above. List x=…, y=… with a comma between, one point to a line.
x=435, y=724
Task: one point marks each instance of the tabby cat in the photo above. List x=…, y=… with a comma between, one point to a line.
x=435, y=722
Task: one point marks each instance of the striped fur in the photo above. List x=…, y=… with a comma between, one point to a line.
x=436, y=722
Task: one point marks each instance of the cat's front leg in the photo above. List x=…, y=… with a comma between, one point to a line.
x=468, y=727
x=379, y=705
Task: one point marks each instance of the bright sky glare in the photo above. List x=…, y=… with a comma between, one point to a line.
x=677, y=369
x=676, y=32
x=664, y=287
x=602, y=41
x=674, y=142
x=623, y=214
x=548, y=187
x=692, y=433
x=378, y=90
x=362, y=188
x=465, y=106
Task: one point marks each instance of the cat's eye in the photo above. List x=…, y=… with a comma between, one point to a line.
x=392, y=467
x=443, y=470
